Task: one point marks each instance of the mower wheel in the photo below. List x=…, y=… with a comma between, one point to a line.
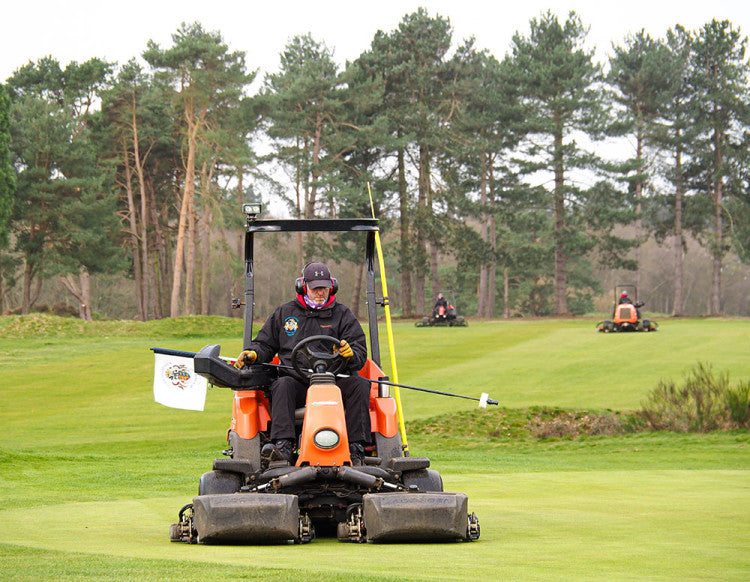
x=215, y=482
x=424, y=479
x=646, y=325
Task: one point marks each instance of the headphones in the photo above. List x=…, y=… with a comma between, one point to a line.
x=301, y=288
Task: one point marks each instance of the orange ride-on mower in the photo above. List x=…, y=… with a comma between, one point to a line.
x=250, y=499
x=626, y=315
x=444, y=316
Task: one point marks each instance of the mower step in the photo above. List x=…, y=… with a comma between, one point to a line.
x=402, y=464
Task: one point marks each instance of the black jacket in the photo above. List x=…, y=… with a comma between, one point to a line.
x=292, y=322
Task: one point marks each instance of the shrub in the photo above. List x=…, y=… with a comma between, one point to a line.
x=558, y=423
x=698, y=405
x=738, y=404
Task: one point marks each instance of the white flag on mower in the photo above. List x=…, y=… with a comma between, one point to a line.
x=176, y=384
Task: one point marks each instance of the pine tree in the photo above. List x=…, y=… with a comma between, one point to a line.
x=637, y=74
x=7, y=173
x=418, y=100
x=204, y=75
x=65, y=214
x=482, y=172
x=720, y=104
x=561, y=88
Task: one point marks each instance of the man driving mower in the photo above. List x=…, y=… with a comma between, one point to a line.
x=313, y=312
x=625, y=299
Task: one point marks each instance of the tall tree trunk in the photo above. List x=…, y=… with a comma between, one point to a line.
x=718, y=252
x=434, y=269
x=186, y=208
x=148, y=278
x=161, y=262
x=492, y=236
x=506, y=293
x=205, y=240
x=357, y=290
x=561, y=258
x=81, y=291
x=420, y=229
x=240, y=249
x=179, y=253
x=298, y=192
x=492, y=271
x=133, y=224
x=718, y=249
x=482, y=288
x=191, y=244
x=85, y=282
x=28, y=278
x=405, y=235
x=206, y=262
x=677, y=240
x=312, y=191
x=229, y=285
x=638, y=200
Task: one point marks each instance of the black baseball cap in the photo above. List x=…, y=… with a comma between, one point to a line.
x=317, y=275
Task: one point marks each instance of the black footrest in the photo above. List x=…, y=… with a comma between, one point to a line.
x=234, y=466
x=409, y=463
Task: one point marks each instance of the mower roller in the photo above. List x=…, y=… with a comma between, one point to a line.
x=250, y=499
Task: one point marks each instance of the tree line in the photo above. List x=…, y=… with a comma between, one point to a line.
x=488, y=173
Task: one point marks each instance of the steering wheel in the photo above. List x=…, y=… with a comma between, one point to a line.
x=306, y=359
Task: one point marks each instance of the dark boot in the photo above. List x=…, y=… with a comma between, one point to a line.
x=282, y=450
x=357, y=454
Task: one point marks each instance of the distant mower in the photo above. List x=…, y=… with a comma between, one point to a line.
x=444, y=315
x=248, y=499
x=626, y=315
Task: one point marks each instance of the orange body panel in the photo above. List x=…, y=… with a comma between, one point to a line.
x=373, y=371
x=626, y=313
x=249, y=413
x=383, y=412
x=324, y=409
x=384, y=416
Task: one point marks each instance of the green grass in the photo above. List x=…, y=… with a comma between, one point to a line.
x=92, y=471
x=561, y=362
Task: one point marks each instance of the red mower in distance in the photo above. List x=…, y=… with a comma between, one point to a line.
x=443, y=314
x=626, y=314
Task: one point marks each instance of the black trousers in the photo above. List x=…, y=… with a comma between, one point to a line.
x=288, y=393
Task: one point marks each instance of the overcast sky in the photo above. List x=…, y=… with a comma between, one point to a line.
x=118, y=31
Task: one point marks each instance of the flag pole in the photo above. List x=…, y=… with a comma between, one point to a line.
x=389, y=329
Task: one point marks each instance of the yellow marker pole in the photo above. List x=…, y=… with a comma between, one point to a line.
x=389, y=329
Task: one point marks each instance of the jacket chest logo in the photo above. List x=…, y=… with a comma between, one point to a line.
x=291, y=325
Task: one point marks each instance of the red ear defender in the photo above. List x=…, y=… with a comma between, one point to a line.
x=334, y=285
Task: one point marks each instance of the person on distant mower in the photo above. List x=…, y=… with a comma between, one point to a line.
x=314, y=311
x=624, y=298
x=441, y=302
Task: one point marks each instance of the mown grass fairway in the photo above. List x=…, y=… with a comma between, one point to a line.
x=92, y=471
